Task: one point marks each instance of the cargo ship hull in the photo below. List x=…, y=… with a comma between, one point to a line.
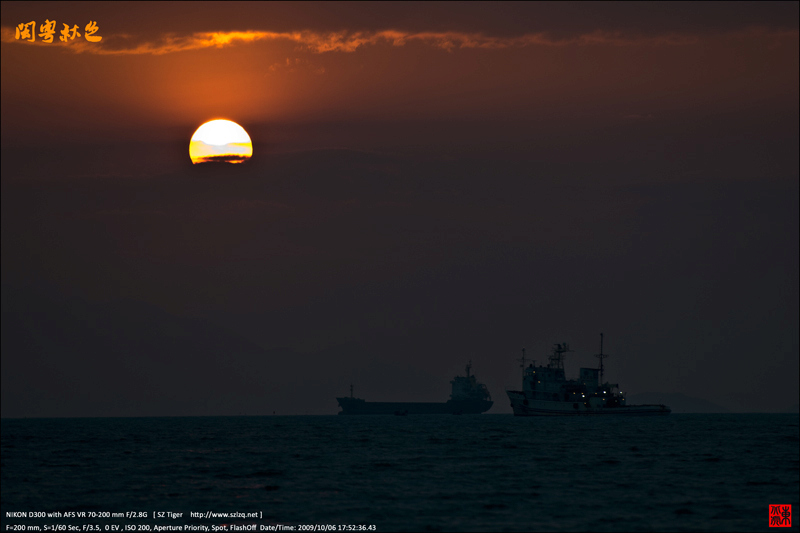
x=357, y=406
x=468, y=397
x=523, y=406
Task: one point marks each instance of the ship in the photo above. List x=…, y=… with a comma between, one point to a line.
x=547, y=392
x=468, y=397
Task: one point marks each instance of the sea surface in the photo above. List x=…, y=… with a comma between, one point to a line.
x=415, y=473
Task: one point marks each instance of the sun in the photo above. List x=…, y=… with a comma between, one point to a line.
x=220, y=141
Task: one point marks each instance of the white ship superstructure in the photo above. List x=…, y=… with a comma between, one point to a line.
x=546, y=391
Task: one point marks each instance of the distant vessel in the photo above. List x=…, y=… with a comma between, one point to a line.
x=468, y=397
x=547, y=392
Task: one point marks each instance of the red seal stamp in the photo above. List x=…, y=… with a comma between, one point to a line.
x=780, y=515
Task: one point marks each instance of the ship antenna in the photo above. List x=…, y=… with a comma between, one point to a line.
x=522, y=362
x=601, y=356
x=469, y=365
x=557, y=358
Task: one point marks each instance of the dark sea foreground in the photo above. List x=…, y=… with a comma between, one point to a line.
x=424, y=473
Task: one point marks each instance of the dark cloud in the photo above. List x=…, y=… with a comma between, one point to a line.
x=494, y=18
x=222, y=159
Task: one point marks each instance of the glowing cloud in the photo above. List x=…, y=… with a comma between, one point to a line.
x=344, y=41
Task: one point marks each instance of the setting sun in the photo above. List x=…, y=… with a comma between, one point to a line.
x=220, y=141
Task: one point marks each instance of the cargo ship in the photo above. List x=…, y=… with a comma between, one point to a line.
x=468, y=397
x=547, y=392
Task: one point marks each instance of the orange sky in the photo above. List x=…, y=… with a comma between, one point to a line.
x=164, y=68
x=430, y=182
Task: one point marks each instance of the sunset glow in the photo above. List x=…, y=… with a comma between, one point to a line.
x=220, y=141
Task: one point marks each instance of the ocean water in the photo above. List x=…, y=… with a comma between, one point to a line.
x=423, y=473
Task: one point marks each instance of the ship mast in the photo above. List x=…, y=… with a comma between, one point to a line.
x=522, y=362
x=601, y=356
